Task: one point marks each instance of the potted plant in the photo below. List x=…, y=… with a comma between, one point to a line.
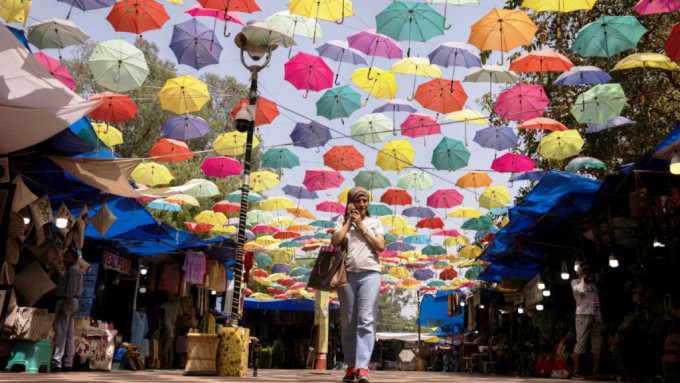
x=266, y=357
x=278, y=353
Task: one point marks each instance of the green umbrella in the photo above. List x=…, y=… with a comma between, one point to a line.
x=298, y=272
x=258, y=216
x=379, y=209
x=322, y=236
x=55, y=33
x=435, y=282
x=338, y=102
x=388, y=278
x=482, y=223
x=304, y=279
x=371, y=128
x=450, y=154
x=474, y=272
x=289, y=244
x=263, y=260
x=608, y=36
x=433, y=250
x=584, y=162
x=322, y=223
x=599, y=104
x=294, y=25
x=372, y=179
x=389, y=237
x=202, y=188
x=278, y=158
x=416, y=180
x=405, y=20
x=236, y=197
x=118, y=66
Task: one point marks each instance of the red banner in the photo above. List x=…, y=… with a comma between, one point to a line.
x=113, y=262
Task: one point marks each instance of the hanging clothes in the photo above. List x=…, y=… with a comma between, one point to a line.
x=195, y=266
x=138, y=330
x=170, y=278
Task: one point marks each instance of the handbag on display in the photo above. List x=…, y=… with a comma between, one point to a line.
x=329, y=270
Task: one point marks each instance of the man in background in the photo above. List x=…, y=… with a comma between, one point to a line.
x=588, y=318
x=68, y=291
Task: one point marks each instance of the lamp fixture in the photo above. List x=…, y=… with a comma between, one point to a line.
x=613, y=261
x=546, y=293
x=142, y=289
x=565, y=271
x=144, y=270
x=520, y=310
x=62, y=223
x=213, y=292
x=541, y=285
x=481, y=307
x=462, y=303
x=675, y=163
x=539, y=307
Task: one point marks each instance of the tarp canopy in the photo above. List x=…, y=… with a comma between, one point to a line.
x=434, y=311
x=157, y=238
x=284, y=304
x=107, y=174
x=495, y=272
x=669, y=145
x=403, y=336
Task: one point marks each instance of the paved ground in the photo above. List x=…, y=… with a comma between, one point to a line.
x=264, y=376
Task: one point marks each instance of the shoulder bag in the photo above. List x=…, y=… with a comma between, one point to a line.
x=329, y=270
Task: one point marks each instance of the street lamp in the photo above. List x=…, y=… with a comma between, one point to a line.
x=258, y=41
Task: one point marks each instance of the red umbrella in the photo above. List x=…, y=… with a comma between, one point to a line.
x=198, y=227
x=487, y=238
x=308, y=72
x=446, y=232
x=444, y=198
x=137, y=16
x=266, y=111
x=331, y=206
x=226, y=207
x=672, y=44
x=260, y=273
x=247, y=6
x=417, y=125
x=287, y=281
x=448, y=274
x=396, y=197
x=430, y=223
x=169, y=150
x=442, y=96
x=286, y=234
x=343, y=158
x=56, y=69
x=221, y=167
x=279, y=296
x=542, y=123
x=262, y=228
x=541, y=61
x=114, y=108
x=321, y=179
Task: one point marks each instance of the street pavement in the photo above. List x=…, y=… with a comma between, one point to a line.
x=263, y=376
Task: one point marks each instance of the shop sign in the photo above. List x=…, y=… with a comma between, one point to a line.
x=113, y=262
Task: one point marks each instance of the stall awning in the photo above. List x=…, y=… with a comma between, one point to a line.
x=434, y=311
x=403, y=336
x=284, y=304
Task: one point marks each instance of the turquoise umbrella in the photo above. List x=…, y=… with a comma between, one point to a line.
x=236, y=197
x=298, y=272
x=322, y=236
x=450, y=154
x=608, y=36
x=278, y=158
x=289, y=244
x=435, y=282
x=581, y=162
x=322, y=223
x=338, y=102
x=433, y=250
x=263, y=260
x=474, y=272
x=417, y=239
x=482, y=223
x=371, y=179
x=390, y=237
x=379, y=209
x=164, y=206
x=405, y=20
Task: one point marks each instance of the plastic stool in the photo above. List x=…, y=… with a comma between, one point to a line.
x=31, y=354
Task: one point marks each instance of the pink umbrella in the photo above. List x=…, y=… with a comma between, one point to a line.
x=198, y=10
x=221, y=167
x=446, y=232
x=648, y=7
x=308, y=72
x=375, y=44
x=388, y=253
x=444, y=198
x=331, y=206
x=510, y=162
x=321, y=179
x=144, y=199
x=521, y=102
x=417, y=125
x=56, y=69
x=262, y=228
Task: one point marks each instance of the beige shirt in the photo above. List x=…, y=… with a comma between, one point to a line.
x=361, y=256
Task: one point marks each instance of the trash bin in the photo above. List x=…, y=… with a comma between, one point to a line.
x=201, y=354
x=232, y=352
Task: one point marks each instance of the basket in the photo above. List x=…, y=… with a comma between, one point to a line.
x=202, y=353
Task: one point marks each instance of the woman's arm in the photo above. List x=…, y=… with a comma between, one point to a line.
x=377, y=242
x=339, y=235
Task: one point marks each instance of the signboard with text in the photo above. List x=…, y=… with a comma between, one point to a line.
x=111, y=261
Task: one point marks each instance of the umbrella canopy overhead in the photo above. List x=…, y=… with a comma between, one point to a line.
x=56, y=69
x=560, y=145
x=195, y=45
x=613, y=123
x=340, y=51
x=232, y=143
x=151, y=174
x=444, y=199
x=371, y=179
x=343, y=158
x=321, y=179
x=55, y=33
x=510, y=162
x=114, y=108
x=608, y=36
x=522, y=102
x=496, y=137
x=310, y=134
x=396, y=155
x=266, y=111
x=416, y=180
x=558, y=5
x=583, y=75
x=138, y=16
x=453, y=54
x=599, y=104
x=450, y=154
x=502, y=30
x=338, y=102
x=417, y=125
x=405, y=20
x=221, y=167
x=541, y=61
x=169, y=150
x=109, y=135
x=646, y=60
x=308, y=72
x=185, y=127
x=543, y=124
x=442, y=96
x=494, y=196
x=299, y=192
x=278, y=158
x=382, y=85
x=648, y=7
x=184, y=94
x=371, y=128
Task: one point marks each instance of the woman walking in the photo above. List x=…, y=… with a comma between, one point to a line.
x=363, y=237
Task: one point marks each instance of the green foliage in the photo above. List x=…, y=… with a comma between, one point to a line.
x=266, y=352
x=390, y=311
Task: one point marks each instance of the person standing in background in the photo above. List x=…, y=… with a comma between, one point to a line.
x=68, y=291
x=588, y=318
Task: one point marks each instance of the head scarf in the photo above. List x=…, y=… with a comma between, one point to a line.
x=355, y=193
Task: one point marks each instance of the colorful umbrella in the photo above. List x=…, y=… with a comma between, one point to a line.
x=114, y=108
x=541, y=61
x=583, y=75
x=481, y=223
x=496, y=137
x=444, y=198
x=522, y=102
x=299, y=192
x=417, y=125
x=183, y=94
x=395, y=105
x=542, y=123
x=378, y=209
x=599, y=103
x=226, y=207
x=464, y=212
x=232, y=143
x=221, y=167
x=331, y=10
x=326, y=224
x=266, y=111
x=494, y=196
x=423, y=274
x=15, y=11
x=419, y=211
x=663, y=6
x=371, y=128
x=343, y=158
x=382, y=85
x=340, y=51
x=402, y=230
x=185, y=127
x=583, y=162
x=169, y=150
x=491, y=73
x=398, y=272
x=200, y=188
x=255, y=217
x=182, y=199
x=430, y=223
x=371, y=179
x=198, y=10
x=310, y=134
x=374, y=44
x=510, y=162
x=109, y=135
x=405, y=20
x=276, y=203
x=446, y=231
x=86, y=5
x=450, y=154
x=159, y=204
x=55, y=33
x=396, y=197
x=278, y=158
x=338, y=102
x=442, y=96
x=308, y=72
x=137, y=16
x=558, y=5
x=560, y=145
x=453, y=54
x=247, y=6
x=331, y=206
x=417, y=66
x=192, y=43
x=612, y=123
x=474, y=180
x=608, y=36
x=321, y=179
x=151, y=174
x=446, y=3
x=263, y=180
x=300, y=212
x=395, y=155
x=448, y=274
x=646, y=60
x=416, y=180
x=209, y=217
x=467, y=115
x=291, y=24
x=417, y=239
x=672, y=44
x=502, y=30
x=528, y=176
x=236, y=197
x=56, y=69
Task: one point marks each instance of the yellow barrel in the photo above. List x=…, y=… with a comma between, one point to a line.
x=232, y=352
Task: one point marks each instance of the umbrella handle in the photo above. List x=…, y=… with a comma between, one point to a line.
x=446, y=28
x=365, y=102
x=368, y=74
x=290, y=50
x=306, y=94
x=126, y=7
x=336, y=79
x=410, y=98
x=342, y=20
x=225, y=30
x=70, y=9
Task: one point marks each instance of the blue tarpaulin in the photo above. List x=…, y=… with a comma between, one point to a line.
x=284, y=304
x=434, y=311
x=495, y=272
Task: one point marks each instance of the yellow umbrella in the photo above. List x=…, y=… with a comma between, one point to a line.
x=282, y=255
x=467, y=115
x=223, y=229
x=417, y=66
x=276, y=203
x=434, y=339
x=504, y=222
x=266, y=240
x=263, y=282
x=393, y=220
x=470, y=252
x=405, y=230
x=251, y=246
x=456, y=241
x=395, y=155
x=263, y=180
x=560, y=144
x=281, y=221
x=464, y=212
x=15, y=11
x=398, y=272
x=558, y=5
x=502, y=30
x=381, y=85
x=411, y=254
x=276, y=276
x=300, y=227
x=342, y=197
x=183, y=94
x=232, y=143
x=331, y=10
x=109, y=135
x=211, y=218
x=300, y=212
x=262, y=296
x=494, y=196
x=182, y=199
x=151, y=174
x=272, y=247
x=646, y=60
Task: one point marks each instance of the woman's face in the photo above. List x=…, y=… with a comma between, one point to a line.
x=361, y=204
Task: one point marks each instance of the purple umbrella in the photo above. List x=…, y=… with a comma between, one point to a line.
x=453, y=54
x=281, y=268
x=299, y=192
x=583, y=75
x=310, y=134
x=613, y=123
x=419, y=211
x=423, y=274
x=374, y=44
x=339, y=50
x=400, y=246
x=496, y=137
x=249, y=234
x=185, y=127
x=528, y=176
x=87, y=5
x=395, y=105
x=192, y=44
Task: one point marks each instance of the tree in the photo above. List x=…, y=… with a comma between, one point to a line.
x=391, y=317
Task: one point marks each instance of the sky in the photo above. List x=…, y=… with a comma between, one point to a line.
x=273, y=86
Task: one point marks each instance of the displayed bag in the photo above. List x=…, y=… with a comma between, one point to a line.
x=329, y=270
x=133, y=358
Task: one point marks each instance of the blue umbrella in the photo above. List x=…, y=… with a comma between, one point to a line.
x=496, y=137
x=339, y=50
x=400, y=246
x=310, y=134
x=164, y=206
x=281, y=268
x=185, y=127
x=299, y=192
x=278, y=158
x=500, y=210
x=583, y=75
x=87, y=5
x=423, y=274
x=323, y=236
x=390, y=237
x=613, y=123
x=419, y=211
x=236, y=197
x=527, y=176
x=338, y=102
x=395, y=105
x=195, y=45
x=453, y=54
x=417, y=239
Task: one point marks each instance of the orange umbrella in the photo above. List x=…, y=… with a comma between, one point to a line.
x=541, y=61
x=286, y=234
x=137, y=16
x=542, y=123
x=266, y=111
x=473, y=180
x=169, y=150
x=343, y=158
x=300, y=227
x=502, y=30
x=442, y=96
x=300, y=212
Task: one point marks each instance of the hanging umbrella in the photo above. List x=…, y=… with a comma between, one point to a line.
x=325, y=224
x=263, y=180
x=417, y=239
x=371, y=128
x=226, y=207
x=446, y=3
x=378, y=209
x=278, y=158
x=444, y=198
x=395, y=155
x=137, y=16
x=423, y=274
x=448, y=274
x=371, y=179
x=395, y=105
x=445, y=231
x=473, y=180
x=340, y=51
x=396, y=197
x=442, y=96
x=394, y=221
x=55, y=33
x=583, y=75
x=612, y=123
x=183, y=94
x=492, y=73
x=405, y=20
x=282, y=221
x=608, y=36
x=450, y=154
x=430, y=223
x=646, y=60
x=114, y=108
x=331, y=10
x=528, y=176
x=345, y=157
x=663, y=6
x=331, y=206
x=233, y=143
x=229, y=7
x=403, y=230
x=310, y=134
x=416, y=180
x=263, y=260
x=502, y=30
x=417, y=66
x=400, y=246
x=382, y=85
x=109, y=135
x=321, y=179
x=266, y=110
x=672, y=44
x=299, y=192
x=291, y=24
x=308, y=72
x=221, y=167
x=15, y=11
x=496, y=137
x=599, y=103
x=56, y=69
x=419, y=211
x=255, y=217
x=182, y=199
x=276, y=203
x=473, y=272
x=192, y=43
x=84, y=5
x=560, y=145
x=151, y=174
x=169, y=150
x=494, y=196
x=236, y=197
x=481, y=223
x=209, y=217
x=201, y=188
x=542, y=123
x=467, y=115
x=159, y=204
x=453, y=54
x=398, y=272
x=434, y=249
x=198, y=10
x=583, y=162
x=185, y=127
x=464, y=212
x=417, y=125
x=510, y=162
x=541, y=61
x=374, y=44
x=300, y=212
x=522, y=102
x=558, y=5
x=338, y=102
